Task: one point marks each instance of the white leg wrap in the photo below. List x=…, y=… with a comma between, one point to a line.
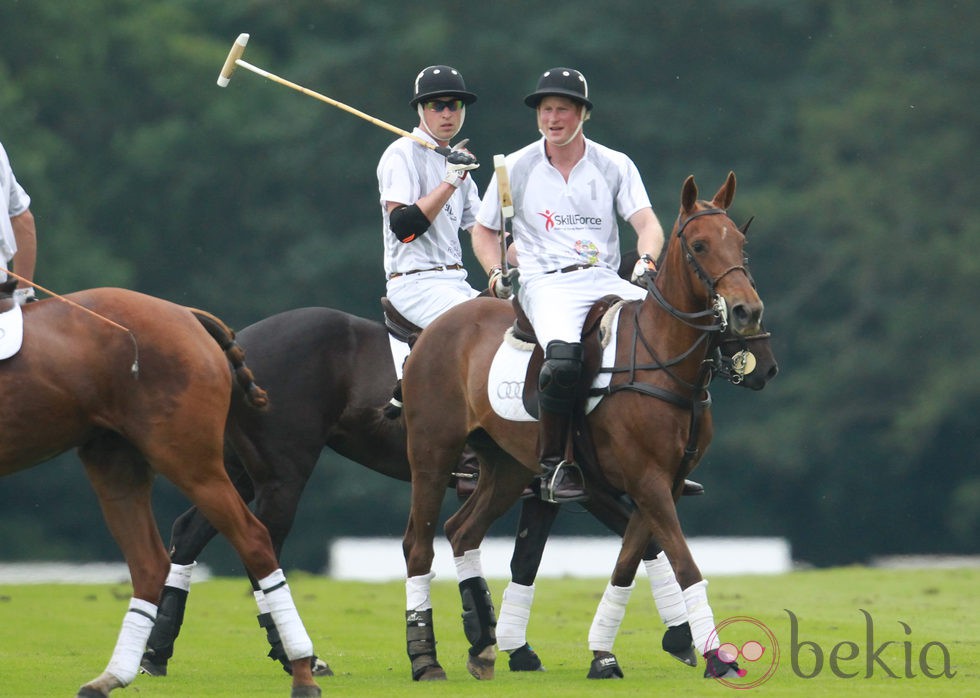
x=295, y=640
x=468, y=566
x=180, y=576
x=667, y=592
x=608, y=617
x=136, y=627
x=417, y=597
x=260, y=601
x=700, y=617
x=515, y=611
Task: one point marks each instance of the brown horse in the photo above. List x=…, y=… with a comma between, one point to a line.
x=641, y=433
x=139, y=386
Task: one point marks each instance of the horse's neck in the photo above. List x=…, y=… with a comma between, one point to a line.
x=667, y=336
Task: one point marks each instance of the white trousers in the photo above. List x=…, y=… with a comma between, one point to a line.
x=424, y=296
x=556, y=304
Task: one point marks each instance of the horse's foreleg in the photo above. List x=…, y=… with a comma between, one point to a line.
x=170, y=618
x=537, y=518
x=612, y=607
x=669, y=599
x=661, y=515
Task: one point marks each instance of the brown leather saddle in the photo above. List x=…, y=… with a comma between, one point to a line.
x=406, y=331
x=398, y=326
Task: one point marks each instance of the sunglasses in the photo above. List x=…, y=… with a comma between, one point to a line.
x=438, y=105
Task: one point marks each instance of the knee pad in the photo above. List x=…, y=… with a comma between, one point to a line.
x=560, y=375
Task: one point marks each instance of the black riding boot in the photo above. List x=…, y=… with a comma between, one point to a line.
x=560, y=481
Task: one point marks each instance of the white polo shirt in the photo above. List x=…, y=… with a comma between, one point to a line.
x=407, y=172
x=557, y=223
x=13, y=202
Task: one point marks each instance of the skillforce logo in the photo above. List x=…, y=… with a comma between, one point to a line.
x=568, y=221
x=755, y=647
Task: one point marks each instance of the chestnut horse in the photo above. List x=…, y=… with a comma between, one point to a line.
x=140, y=386
x=328, y=373
x=640, y=432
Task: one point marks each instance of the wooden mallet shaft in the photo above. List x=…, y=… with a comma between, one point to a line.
x=235, y=59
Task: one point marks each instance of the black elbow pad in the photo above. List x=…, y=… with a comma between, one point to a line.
x=408, y=222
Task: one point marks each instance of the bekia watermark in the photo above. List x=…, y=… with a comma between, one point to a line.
x=755, y=647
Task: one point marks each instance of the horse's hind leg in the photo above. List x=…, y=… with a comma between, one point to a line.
x=498, y=488
x=122, y=480
x=220, y=503
x=417, y=547
x=537, y=518
x=276, y=502
x=189, y=535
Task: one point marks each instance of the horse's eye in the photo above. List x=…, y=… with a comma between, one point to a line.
x=698, y=246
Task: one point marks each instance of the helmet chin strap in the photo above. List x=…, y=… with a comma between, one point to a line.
x=425, y=126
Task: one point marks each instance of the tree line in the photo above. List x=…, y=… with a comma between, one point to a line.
x=851, y=128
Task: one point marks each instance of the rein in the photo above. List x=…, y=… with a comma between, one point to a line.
x=708, y=337
x=135, y=367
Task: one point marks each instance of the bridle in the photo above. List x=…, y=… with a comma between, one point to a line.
x=710, y=332
x=709, y=339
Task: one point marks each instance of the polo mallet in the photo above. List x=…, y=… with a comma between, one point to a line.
x=235, y=59
x=506, y=213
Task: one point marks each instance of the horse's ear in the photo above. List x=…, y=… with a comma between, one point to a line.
x=745, y=226
x=725, y=196
x=689, y=194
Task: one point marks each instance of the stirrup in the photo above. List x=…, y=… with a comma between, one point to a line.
x=550, y=479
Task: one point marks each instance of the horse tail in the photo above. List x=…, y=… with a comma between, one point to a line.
x=225, y=337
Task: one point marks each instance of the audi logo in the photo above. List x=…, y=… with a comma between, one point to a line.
x=510, y=390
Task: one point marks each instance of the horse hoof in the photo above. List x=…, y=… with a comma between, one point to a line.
x=152, y=669
x=524, y=659
x=100, y=687
x=318, y=666
x=717, y=668
x=677, y=642
x=89, y=692
x=305, y=692
x=688, y=656
x=481, y=665
x=433, y=673
x=605, y=667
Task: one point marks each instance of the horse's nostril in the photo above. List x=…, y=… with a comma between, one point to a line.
x=746, y=315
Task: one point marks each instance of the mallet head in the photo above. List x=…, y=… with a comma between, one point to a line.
x=237, y=49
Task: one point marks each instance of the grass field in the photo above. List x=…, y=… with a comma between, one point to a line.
x=53, y=638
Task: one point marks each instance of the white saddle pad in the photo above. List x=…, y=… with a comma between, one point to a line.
x=505, y=384
x=11, y=331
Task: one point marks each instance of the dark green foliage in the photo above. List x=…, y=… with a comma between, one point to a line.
x=852, y=128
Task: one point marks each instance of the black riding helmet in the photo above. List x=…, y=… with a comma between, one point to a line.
x=562, y=82
x=440, y=81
